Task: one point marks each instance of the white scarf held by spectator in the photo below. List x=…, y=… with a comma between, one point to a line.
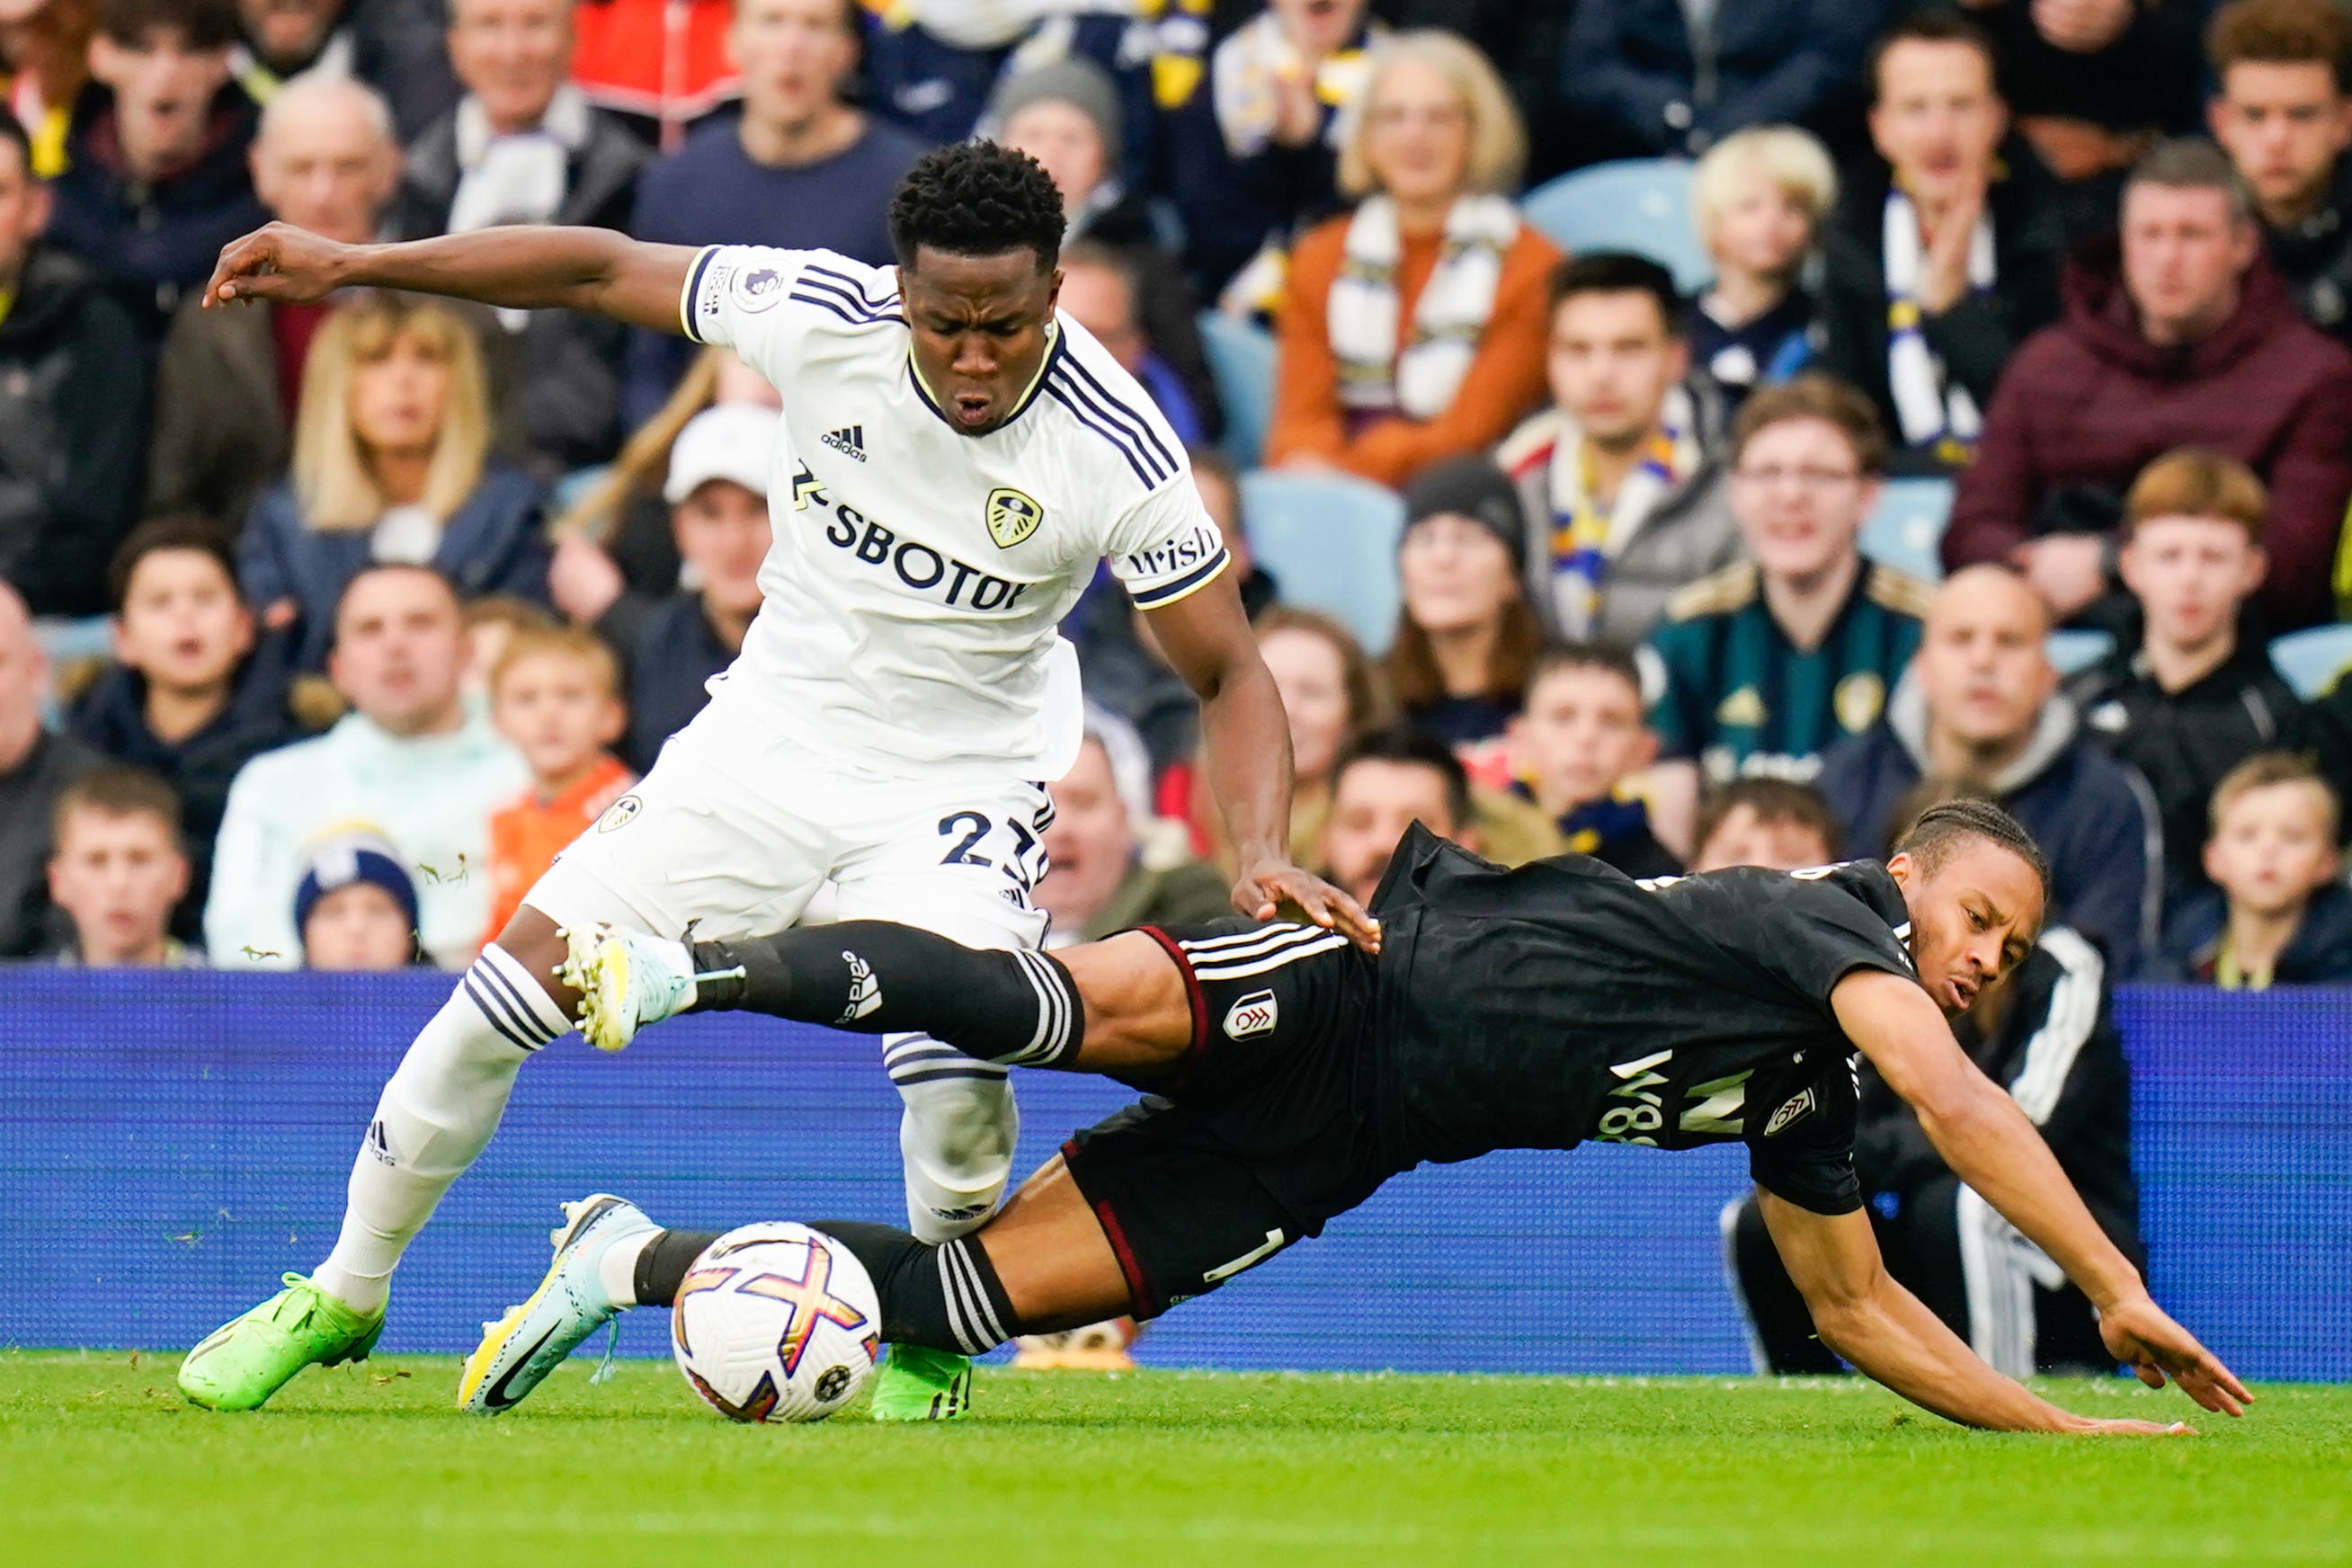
x=1420, y=377
x=1930, y=411
x=1242, y=72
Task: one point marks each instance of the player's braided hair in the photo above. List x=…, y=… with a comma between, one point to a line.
x=976, y=198
x=1941, y=829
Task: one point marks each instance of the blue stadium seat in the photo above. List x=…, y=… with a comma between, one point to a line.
x=1241, y=362
x=1331, y=542
x=2071, y=651
x=2311, y=660
x=1907, y=529
x=1635, y=204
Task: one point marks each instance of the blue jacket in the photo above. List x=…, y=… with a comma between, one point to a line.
x=2319, y=955
x=491, y=544
x=2093, y=817
x=1637, y=66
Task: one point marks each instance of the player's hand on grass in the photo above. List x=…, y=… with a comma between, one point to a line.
x=277, y=262
x=1267, y=885
x=2138, y=1334
x=2091, y=1428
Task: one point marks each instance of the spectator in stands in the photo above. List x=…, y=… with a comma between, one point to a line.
x=1775, y=823
x=2278, y=913
x=555, y=695
x=2193, y=700
x=2283, y=112
x=1665, y=78
x=230, y=381
x=1220, y=484
x=936, y=67
x=662, y=66
x=1945, y=248
x=1100, y=877
x=1331, y=692
x=801, y=168
x=619, y=520
x=2192, y=341
x=44, y=66
x=1385, y=782
x=1767, y=663
x=1467, y=638
x=2048, y=1032
x=524, y=146
x=390, y=464
x=1624, y=501
x=2095, y=84
x=717, y=493
x=408, y=759
x=1255, y=145
x=193, y=694
x=1413, y=330
x=1579, y=748
x=1980, y=704
x=493, y=621
x=395, y=47
x=35, y=767
x=1066, y=116
x=117, y=872
x=1103, y=294
x=356, y=906
x=155, y=180
x=73, y=406
x=1757, y=198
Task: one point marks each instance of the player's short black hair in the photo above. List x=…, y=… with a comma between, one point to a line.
x=976, y=198
x=1941, y=829
x=175, y=530
x=1414, y=747
x=14, y=134
x=1618, y=272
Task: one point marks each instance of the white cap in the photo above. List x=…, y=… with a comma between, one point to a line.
x=726, y=441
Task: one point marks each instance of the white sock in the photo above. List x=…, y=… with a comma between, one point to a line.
x=956, y=1136
x=435, y=1116
x=616, y=1271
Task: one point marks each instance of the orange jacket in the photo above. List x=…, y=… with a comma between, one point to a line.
x=526, y=836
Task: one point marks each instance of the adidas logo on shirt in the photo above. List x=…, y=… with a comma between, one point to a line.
x=849, y=441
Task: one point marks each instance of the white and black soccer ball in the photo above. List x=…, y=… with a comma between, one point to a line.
x=776, y=1322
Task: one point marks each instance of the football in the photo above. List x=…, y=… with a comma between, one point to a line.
x=776, y=1322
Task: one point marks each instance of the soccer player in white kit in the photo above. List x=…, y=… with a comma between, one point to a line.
x=955, y=461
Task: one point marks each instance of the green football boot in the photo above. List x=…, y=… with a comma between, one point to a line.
x=244, y=1360
x=918, y=1384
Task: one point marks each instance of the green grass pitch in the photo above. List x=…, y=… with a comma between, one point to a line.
x=101, y=1463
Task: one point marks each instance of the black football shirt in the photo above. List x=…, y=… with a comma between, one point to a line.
x=1563, y=1003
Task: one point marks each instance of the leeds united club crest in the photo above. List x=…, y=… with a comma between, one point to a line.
x=1012, y=517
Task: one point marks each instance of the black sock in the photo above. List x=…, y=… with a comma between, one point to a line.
x=944, y=1298
x=662, y=1266
x=875, y=977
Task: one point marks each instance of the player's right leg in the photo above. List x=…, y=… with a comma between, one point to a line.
x=435, y=1114
x=1124, y=1006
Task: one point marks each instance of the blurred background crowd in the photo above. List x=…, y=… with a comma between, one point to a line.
x=1694, y=434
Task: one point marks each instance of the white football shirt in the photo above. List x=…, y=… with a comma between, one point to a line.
x=919, y=574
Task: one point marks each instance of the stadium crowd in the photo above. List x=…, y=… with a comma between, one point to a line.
x=326, y=626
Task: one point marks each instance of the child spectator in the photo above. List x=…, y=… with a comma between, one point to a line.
x=35, y=766
x=1775, y=823
x=491, y=622
x=390, y=464
x=356, y=906
x=2193, y=700
x=193, y=694
x=116, y=871
x=1577, y=744
x=555, y=695
x=2279, y=915
x=1467, y=635
x=1757, y=197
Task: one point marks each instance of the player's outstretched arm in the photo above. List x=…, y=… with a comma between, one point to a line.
x=1863, y=1314
x=525, y=268
x=1991, y=1145
x=1208, y=641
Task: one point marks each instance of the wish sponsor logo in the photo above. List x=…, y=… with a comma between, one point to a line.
x=918, y=568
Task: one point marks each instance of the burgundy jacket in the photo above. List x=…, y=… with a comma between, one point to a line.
x=2084, y=404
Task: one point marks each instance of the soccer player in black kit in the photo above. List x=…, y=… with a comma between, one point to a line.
x=1288, y=1074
